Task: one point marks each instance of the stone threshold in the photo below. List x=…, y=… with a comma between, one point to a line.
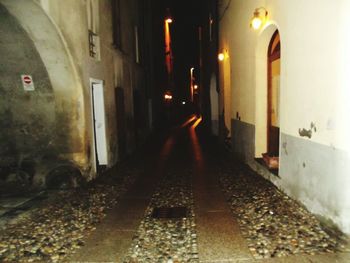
x=261, y=162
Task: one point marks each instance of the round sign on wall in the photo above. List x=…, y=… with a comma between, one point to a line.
x=27, y=82
x=27, y=79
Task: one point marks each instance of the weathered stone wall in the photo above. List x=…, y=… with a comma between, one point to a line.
x=53, y=125
x=30, y=127
x=45, y=127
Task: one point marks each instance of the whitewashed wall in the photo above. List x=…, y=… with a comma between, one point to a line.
x=315, y=62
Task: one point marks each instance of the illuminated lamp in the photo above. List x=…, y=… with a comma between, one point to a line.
x=221, y=56
x=259, y=18
x=169, y=20
x=168, y=96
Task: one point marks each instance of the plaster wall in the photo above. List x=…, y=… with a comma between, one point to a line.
x=313, y=90
x=47, y=123
x=214, y=105
x=116, y=67
x=243, y=139
x=26, y=116
x=65, y=14
x=51, y=41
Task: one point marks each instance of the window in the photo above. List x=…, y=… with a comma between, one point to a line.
x=116, y=24
x=137, y=45
x=211, y=21
x=142, y=24
x=93, y=28
x=94, y=45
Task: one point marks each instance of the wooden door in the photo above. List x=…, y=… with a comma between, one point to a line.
x=273, y=119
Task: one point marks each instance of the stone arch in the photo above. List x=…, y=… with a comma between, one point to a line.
x=66, y=131
x=261, y=87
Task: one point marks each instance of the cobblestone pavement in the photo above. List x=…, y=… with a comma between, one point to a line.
x=167, y=240
x=273, y=224
x=58, y=226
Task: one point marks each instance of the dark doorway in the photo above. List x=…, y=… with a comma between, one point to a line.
x=121, y=129
x=273, y=118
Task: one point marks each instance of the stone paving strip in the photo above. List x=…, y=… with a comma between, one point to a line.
x=167, y=240
x=273, y=224
x=57, y=227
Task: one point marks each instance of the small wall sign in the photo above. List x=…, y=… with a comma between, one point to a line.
x=27, y=82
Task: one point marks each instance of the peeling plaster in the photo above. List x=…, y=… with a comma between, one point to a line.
x=308, y=133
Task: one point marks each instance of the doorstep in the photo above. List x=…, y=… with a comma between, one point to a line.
x=262, y=163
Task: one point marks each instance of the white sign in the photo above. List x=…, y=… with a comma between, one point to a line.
x=27, y=82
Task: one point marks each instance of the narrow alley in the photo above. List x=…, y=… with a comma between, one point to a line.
x=174, y=131
x=183, y=201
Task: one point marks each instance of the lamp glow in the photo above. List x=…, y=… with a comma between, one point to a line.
x=168, y=97
x=256, y=23
x=169, y=20
x=259, y=18
x=221, y=56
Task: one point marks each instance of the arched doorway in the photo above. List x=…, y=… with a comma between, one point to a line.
x=273, y=112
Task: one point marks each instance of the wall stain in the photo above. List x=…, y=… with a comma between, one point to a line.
x=35, y=132
x=308, y=133
x=284, y=146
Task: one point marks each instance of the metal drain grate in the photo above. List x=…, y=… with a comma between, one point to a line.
x=170, y=212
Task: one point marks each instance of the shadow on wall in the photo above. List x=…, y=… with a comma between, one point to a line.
x=34, y=130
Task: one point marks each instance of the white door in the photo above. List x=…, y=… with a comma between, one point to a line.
x=99, y=123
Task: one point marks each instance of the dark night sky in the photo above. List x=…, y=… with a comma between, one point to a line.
x=184, y=36
x=185, y=40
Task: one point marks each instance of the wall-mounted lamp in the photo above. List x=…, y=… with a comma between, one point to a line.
x=223, y=55
x=168, y=96
x=259, y=18
x=169, y=20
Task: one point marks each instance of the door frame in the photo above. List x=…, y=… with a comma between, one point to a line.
x=96, y=166
x=270, y=59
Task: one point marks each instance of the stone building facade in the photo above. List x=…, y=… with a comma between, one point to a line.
x=91, y=68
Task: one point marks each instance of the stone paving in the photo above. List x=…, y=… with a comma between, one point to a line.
x=167, y=240
x=58, y=227
x=273, y=224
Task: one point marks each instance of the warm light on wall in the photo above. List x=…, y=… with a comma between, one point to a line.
x=191, y=82
x=195, y=87
x=168, y=97
x=221, y=56
x=256, y=23
x=259, y=18
x=168, y=49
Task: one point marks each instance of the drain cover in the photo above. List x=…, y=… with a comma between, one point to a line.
x=170, y=212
